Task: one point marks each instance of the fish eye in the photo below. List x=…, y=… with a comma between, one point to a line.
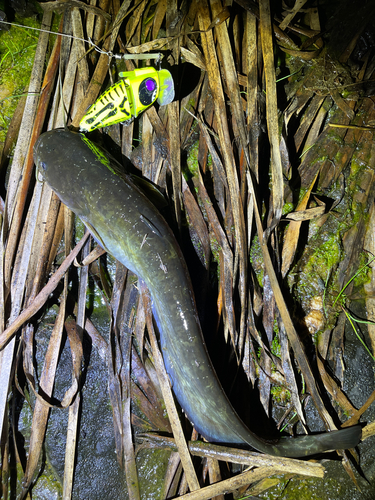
x=43, y=165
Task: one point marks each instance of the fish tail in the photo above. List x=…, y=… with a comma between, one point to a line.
x=303, y=446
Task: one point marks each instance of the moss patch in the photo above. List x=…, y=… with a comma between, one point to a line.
x=17, y=51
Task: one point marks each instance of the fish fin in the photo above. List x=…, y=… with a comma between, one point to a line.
x=150, y=225
x=95, y=235
x=150, y=191
x=301, y=446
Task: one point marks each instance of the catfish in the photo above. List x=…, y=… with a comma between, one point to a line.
x=129, y=227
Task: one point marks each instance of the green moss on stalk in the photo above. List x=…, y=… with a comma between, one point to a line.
x=256, y=259
x=192, y=159
x=280, y=394
x=275, y=346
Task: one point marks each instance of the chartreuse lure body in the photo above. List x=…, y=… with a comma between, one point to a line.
x=126, y=99
x=129, y=226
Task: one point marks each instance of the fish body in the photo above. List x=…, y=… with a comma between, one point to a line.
x=131, y=229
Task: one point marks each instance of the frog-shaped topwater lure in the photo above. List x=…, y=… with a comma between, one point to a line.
x=126, y=99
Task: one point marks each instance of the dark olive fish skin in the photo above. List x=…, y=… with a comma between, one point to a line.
x=131, y=229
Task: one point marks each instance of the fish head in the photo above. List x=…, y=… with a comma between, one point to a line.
x=55, y=156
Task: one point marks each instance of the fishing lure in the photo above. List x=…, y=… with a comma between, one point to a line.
x=126, y=99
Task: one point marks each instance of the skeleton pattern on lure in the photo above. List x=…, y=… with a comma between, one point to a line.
x=122, y=102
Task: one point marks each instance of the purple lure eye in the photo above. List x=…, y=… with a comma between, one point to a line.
x=150, y=84
x=147, y=91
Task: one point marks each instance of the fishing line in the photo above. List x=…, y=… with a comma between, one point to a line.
x=121, y=56
x=44, y=31
x=157, y=56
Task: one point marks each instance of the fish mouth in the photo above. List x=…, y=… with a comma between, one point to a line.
x=36, y=147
